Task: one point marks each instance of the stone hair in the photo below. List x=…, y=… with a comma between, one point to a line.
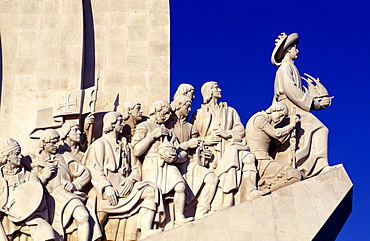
x=183, y=89
x=179, y=101
x=127, y=106
x=66, y=128
x=158, y=105
x=109, y=120
x=207, y=91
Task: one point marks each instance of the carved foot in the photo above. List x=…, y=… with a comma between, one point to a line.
x=183, y=221
x=201, y=212
x=254, y=194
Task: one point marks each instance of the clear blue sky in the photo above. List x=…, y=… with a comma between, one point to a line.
x=231, y=42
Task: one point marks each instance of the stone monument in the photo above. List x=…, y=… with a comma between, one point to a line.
x=77, y=82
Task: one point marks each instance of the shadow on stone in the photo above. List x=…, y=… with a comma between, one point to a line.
x=334, y=224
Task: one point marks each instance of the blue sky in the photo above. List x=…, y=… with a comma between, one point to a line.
x=231, y=42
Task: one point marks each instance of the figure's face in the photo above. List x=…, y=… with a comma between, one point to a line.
x=216, y=91
x=136, y=113
x=118, y=126
x=293, y=52
x=277, y=116
x=51, y=147
x=15, y=158
x=190, y=94
x=75, y=134
x=163, y=115
x=185, y=109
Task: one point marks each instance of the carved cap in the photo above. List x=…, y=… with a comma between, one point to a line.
x=282, y=44
x=9, y=145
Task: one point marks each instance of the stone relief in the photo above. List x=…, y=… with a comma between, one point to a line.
x=142, y=176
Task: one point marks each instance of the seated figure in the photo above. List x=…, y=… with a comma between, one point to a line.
x=22, y=201
x=222, y=130
x=260, y=130
x=117, y=184
x=202, y=181
x=159, y=150
x=63, y=177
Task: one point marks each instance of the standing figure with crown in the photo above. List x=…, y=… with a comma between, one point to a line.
x=307, y=149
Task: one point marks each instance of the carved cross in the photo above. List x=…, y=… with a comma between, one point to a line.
x=67, y=104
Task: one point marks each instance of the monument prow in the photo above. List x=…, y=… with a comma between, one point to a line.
x=313, y=209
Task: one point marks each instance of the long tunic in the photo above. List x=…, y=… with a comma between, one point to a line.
x=109, y=166
x=194, y=173
x=312, y=134
x=228, y=153
x=154, y=169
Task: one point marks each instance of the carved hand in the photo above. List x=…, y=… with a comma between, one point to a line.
x=169, y=157
x=112, y=195
x=212, y=140
x=193, y=142
x=316, y=105
x=325, y=102
x=70, y=187
x=218, y=131
x=158, y=132
x=48, y=171
x=88, y=121
x=127, y=187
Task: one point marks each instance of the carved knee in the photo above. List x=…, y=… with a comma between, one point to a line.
x=149, y=193
x=81, y=215
x=180, y=187
x=211, y=179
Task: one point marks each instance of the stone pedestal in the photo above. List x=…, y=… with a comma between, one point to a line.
x=314, y=209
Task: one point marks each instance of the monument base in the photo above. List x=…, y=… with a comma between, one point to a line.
x=313, y=209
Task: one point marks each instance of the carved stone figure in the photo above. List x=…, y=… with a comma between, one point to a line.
x=19, y=206
x=116, y=177
x=132, y=116
x=312, y=135
x=70, y=134
x=63, y=177
x=260, y=129
x=202, y=181
x=220, y=126
x=159, y=150
x=185, y=89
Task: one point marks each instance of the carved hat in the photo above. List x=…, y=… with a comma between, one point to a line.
x=9, y=145
x=282, y=45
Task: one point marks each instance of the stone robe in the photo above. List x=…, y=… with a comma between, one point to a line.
x=62, y=203
x=312, y=134
x=110, y=166
x=40, y=228
x=228, y=164
x=154, y=169
x=194, y=173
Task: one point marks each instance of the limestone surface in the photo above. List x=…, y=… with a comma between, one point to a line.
x=301, y=211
